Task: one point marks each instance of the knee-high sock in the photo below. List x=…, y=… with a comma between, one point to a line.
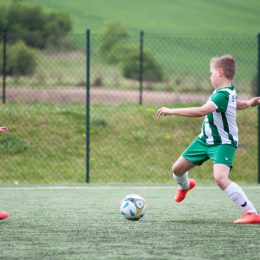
x=183, y=180
x=237, y=195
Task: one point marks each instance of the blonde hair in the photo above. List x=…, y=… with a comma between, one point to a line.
x=227, y=63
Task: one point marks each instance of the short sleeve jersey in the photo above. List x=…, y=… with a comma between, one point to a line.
x=219, y=127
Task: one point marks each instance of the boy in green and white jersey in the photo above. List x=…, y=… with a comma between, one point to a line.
x=219, y=127
x=218, y=139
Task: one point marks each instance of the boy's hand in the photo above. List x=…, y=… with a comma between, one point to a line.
x=255, y=101
x=164, y=111
x=3, y=130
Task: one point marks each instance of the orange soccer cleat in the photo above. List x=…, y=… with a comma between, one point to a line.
x=181, y=194
x=248, y=218
x=3, y=215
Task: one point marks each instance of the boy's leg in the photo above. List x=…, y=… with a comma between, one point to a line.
x=180, y=174
x=180, y=171
x=195, y=154
x=236, y=194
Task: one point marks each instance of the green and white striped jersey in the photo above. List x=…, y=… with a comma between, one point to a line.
x=219, y=127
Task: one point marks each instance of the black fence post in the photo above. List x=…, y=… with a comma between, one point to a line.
x=141, y=68
x=258, y=93
x=4, y=64
x=87, y=103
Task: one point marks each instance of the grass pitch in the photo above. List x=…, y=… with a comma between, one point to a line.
x=84, y=222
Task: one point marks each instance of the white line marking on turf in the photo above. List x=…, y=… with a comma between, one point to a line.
x=113, y=187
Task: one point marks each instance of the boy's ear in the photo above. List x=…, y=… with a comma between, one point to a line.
x=220, y=72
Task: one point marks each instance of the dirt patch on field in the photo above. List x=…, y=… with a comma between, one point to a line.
x=105, y=96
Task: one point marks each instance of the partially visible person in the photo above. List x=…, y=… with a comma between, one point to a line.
x=3, y=130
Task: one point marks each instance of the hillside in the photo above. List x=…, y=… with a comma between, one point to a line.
x=161, y=17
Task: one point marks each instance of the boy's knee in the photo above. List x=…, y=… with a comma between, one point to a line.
x=221, y=174
x=219, y=178
x=176, y=170
x=173, y=169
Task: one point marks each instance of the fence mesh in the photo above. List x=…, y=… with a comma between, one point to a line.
x=131, y=77
x=44, y=110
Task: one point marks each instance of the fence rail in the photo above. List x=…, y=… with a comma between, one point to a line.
x=83, y=110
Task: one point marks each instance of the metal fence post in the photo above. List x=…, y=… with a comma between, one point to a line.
x=87, y=102
x=258, y=93
x=141, y=68
x=4, y=64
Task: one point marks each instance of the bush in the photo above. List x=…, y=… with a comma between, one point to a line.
x=21, y=21
x=152, y=70
x=115, y=42
x=20, y=59
x=113, y=34
x=118, y=52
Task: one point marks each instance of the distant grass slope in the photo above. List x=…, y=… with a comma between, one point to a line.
x=161, y=17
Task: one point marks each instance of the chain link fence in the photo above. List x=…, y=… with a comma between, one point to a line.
x=44, y=109
x=44, y=106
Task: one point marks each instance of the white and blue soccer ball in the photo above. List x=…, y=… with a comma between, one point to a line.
x=133, y=207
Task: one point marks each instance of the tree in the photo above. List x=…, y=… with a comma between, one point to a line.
x=20, y=59
x=32, y=25
x=152, y=70
x=113, y=34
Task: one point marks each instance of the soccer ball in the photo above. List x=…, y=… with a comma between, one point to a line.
x=133, y=207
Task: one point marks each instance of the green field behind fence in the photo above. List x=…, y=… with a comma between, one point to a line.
x=47, y=143
x=189, y=39
x=164, y=17
x=184, y=61
x=145, y=147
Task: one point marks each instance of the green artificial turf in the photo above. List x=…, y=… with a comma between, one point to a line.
x=84, y=222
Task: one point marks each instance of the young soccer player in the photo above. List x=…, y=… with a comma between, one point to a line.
x=218, y=139
x=3, y=130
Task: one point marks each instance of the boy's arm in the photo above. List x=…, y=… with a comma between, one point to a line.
x=243, y=104
x=187, y=112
